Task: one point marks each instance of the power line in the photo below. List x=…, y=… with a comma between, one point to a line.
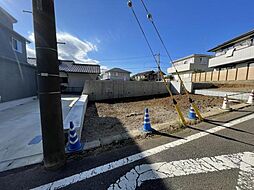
x=149, y=16
x=157, y=62
x=125, y=58
x=140, y=27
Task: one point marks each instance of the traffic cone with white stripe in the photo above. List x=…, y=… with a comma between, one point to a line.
x=147, y=125
x=74, y=144
x=192, y=114
x=225, y=105
x=251, y=97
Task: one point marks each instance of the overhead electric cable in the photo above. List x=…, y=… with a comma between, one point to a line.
x=156, y=61
x=150, y=18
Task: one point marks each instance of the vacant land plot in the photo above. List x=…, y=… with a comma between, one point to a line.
x=107, y=118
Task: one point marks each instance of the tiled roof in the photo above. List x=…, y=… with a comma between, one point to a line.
x=147, y=73
x=72, y=67
x=117, y=70
x=144, y=73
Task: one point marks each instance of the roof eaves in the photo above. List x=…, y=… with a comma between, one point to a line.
x=8, y=15
x=233, y=41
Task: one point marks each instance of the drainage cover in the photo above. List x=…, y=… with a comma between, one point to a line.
x=35, y=140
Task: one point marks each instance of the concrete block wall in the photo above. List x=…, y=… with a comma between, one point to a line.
x=17, y=80
x=251, y=73
x=237, y=74
x=105, y=90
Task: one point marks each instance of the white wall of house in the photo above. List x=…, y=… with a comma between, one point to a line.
x=186, y=76
x=239, y=52
x=77, y=80
x=116, y=76
x=236, y=56
x=186, y=66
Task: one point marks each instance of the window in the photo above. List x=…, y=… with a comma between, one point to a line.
x=16, y=45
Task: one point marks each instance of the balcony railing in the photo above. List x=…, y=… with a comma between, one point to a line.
x=189, y=67
x=238, y=56
x=180, y=68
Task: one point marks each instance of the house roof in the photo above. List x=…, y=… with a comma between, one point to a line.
x=147, y=73
x=233, y=41
x=11, y=18
x=117, y=70
x=144, y=73
x=72, y=67
x=161, y=71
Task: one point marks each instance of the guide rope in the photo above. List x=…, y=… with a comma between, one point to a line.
x=180, y=115
x=150, y=18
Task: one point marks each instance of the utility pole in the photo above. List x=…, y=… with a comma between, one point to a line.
x=48, y=83
x=158, y=61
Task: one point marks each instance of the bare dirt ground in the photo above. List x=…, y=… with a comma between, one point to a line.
x=239, y=87
x=116, y=117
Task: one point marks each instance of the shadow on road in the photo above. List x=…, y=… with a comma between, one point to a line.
x=221, y=136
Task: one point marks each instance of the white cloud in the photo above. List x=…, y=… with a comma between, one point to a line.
x=30, y=51
x=104, y=69
x=73, y=49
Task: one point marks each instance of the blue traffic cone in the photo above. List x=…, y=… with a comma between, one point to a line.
x=147, y=124
x=74, y=144
x=192, y=114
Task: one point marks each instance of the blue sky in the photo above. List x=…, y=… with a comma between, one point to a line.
x=106, y=32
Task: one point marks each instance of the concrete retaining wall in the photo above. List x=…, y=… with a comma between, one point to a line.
x=76, y=115
x=105, y=90
x=177, y=89
x=17, y=80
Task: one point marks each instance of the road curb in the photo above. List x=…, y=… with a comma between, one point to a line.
x=133, y=134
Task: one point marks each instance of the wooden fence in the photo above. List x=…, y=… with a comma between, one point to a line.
x=237, y=74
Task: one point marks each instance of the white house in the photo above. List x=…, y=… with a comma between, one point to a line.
x=187, y=65
x=235, y=53
x=116, y=74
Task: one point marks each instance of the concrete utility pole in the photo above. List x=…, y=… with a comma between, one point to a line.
x=48, y=83
x=158, y=61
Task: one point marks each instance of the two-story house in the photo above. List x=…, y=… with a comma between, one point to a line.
x=148, y=76
x=13, y=45
x=14, y=68
x=116, y=74
x=188, y=65
x=235, y=53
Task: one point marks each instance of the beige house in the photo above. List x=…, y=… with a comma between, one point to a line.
x=188, y=65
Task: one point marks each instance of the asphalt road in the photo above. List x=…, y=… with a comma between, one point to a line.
x=217, y=154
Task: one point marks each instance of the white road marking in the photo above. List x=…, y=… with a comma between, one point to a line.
x=246, y=175
x=130, y=159
x=140, y=174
